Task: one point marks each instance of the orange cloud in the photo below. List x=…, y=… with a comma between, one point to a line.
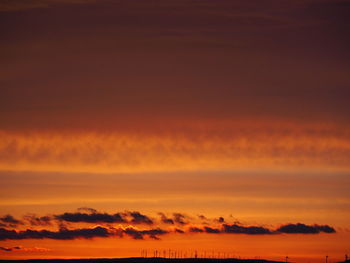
x=26, y=249
x=227, y=147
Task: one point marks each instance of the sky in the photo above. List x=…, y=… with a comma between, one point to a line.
x=216, y=127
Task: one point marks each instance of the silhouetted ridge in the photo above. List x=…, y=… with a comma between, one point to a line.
x=144, y=260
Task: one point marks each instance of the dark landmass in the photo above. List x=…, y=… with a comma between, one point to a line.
x=144, y=260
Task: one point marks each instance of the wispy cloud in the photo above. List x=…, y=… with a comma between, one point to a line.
x=34, y=220
x=26, y=249
x=232, y=149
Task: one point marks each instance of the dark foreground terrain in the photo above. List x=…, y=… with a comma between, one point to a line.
x=143, y=260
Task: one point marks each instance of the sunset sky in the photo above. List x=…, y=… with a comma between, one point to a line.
x=216, y=126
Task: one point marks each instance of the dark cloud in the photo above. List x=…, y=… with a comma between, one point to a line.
x=195, y=230
x=6, y=248
x=8, y=234
x=211, y=230
x=232, y=229
x=37, y=221
x=325, y=228
x=300, y=228
x=221, y=219
x=179, y=218
x=9, y=219
x=10, y=248
x=62, y=234
x=179, y=231
x=139, y=234
x=81, y=233
x=92, y=217
x=165, y=219
x=138, y=218
x=153, y=233
x=249, y=230
x=135, y=234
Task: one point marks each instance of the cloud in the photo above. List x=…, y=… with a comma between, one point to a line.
x=211, y=230
x=221, y=219
x=28, y=249
x=138, y=218
x=34, y=220
x=165, y=219
x=135, y=234
x=179, y=218
x=139, y=234
x=249, y=230
x=325, y=228
x=10, y=219
x=179, y=231
x=217, y=226
x=195, y=230
x=91, y=217
x=80, y=233
x=109, y=153
x=6, y=248
x=232, y=229
x=62, y=234
x=300, y=228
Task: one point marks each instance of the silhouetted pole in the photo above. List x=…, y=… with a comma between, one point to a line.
x=287, y=259
x=327, y=259
x=346, y=257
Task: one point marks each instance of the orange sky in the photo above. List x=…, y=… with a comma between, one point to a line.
x=229, y=109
